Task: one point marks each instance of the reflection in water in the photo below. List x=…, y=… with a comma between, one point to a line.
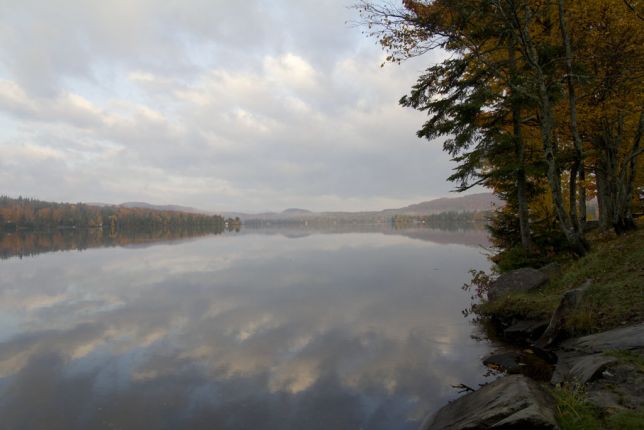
x=333, y=331
x=24, y=243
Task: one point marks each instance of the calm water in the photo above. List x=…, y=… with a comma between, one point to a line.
x=278, y=329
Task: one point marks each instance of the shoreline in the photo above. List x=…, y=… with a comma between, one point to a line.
x=573, y=345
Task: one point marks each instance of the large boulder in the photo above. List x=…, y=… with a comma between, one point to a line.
x=512, y=402
x=624, y=338
x=569, y=301
x=580, y=369
x=524, y=279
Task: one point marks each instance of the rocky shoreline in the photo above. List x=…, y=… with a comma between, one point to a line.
x=540, y=359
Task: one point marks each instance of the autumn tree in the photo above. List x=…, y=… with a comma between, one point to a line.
x=514, y=65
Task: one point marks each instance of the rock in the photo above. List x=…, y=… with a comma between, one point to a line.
x=624, y=338
x=586, y=367
x=580, y=369
x=506, y=361
x=525, y=331
x=604, y=399
x=524, y=279
x=563, y=365
x=512, y=402
x=569, y=301
x=625, y=380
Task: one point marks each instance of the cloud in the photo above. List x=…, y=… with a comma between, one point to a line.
x=208, y=104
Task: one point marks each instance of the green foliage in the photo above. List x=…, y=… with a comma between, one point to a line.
x=547, y=241
x=626, y=420
x=451, y=220
x=573, y=411
x=629, y=357
x=615, y=297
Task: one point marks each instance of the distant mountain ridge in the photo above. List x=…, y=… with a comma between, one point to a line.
x=469, y=203
x=175, y=208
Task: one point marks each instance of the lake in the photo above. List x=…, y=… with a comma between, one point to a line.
x=351, y=328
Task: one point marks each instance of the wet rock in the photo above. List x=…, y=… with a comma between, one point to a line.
x=524, y=279
x=624, y=338
x=569, y=301
x=507, y=361
x=525, y=331
x=512, y=402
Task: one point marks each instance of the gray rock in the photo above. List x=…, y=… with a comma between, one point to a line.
x=625, y=338
x=512, y=402
x=564, y=361
x=580, y=369
x=605, y=400
x=586, y=367
x=524, y=279
x=569, y=301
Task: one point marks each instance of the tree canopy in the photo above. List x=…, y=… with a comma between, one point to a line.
x=540, y=100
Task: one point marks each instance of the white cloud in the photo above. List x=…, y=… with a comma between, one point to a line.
x=208, y=105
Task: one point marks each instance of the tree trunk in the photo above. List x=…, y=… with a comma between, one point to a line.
x=578, y=162
x=573, y=236
x=629, y=173
x=522, y=198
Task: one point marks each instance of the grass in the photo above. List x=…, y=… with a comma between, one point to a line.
x=629, y=357
x=574, y=412
x=626, y=420
x=615, y=298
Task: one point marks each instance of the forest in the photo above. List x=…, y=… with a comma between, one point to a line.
x=539, y=100
x=31, y=214
x=450, y=220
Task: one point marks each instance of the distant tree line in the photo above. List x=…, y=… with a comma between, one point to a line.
x=444, y=220
x=32, y=214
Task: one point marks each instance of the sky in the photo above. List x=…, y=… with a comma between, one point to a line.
x=220, y=105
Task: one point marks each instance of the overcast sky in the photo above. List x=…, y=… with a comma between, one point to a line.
x=222, y=105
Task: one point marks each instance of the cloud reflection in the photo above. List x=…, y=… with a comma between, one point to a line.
x=327, y=331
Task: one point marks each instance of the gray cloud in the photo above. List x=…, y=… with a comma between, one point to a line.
x=272, y=105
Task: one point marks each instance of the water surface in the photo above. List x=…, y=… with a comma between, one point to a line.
x=272, y=329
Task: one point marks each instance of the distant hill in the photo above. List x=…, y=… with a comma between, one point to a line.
x=174, y=208
x=295, y=211
x=471, y=203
